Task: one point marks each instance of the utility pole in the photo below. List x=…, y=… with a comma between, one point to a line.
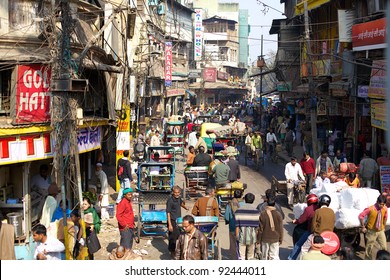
x=313, y=109
x=66, y=162
x=261, y=80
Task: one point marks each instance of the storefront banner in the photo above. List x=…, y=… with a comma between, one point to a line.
x=198, y=35
x=222, y=76
x=32, y=102
x=369, y=35
x=384, y=174
x=40, y=146
x=210, y=75
x=122, y=138
x=377, y=88
x=168, y=64
x=378, y=115
x=175, y=92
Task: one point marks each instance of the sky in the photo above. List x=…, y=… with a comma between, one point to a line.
x=261, y=24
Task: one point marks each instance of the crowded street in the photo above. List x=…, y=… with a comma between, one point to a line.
x=194, y=130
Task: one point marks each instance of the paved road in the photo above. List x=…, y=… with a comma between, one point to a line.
x=257, y=181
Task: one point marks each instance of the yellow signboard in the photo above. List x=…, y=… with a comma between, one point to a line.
x=122, y=137
x=378, y=115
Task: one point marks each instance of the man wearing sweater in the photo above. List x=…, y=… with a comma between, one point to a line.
x=270, y=234
x=247, y=223
x=309, y=169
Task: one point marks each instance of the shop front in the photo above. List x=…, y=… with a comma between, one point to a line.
x=22, y=153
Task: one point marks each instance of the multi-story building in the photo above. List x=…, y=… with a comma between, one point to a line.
x=28, y=47
x=347, y=69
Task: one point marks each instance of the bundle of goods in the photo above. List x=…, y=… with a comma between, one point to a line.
x=347, y=204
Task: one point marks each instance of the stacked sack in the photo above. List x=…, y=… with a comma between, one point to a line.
x=352, y=202
x=346, y=202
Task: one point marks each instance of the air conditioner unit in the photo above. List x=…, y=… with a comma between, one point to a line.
x=161, y=9
x=153, y=3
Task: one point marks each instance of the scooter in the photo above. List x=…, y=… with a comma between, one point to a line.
x=139, y=151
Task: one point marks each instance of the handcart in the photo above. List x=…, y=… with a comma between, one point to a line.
x=225, y=194
x=208, y=226
x=196, y=180
x=280, y=186
x=155, y=182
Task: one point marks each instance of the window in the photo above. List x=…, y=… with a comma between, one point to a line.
x=5, y=92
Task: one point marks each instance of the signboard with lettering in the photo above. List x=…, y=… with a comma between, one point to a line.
x=38, y=146
x=168, y=64
x=32, y=96
x=222, y=76
x=210, y=74
x=377, y=88
x=362, y=91
x=378, y=115
x=175, y=92
x=369, y=35
x=122, y=137
x=198, y=35
x=384, y=174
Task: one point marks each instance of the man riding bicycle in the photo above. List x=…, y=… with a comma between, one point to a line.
x=271, y=141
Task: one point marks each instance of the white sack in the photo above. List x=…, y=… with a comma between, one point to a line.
x=347, y=218
x=298, y=209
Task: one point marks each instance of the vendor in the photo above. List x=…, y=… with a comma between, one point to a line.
x=352, y=180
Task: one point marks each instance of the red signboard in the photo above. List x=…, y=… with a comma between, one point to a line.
x=175, y=92
x=369, y=35
x=32, y=94
x=168, y=64
x=222, y=75
x=209, y=74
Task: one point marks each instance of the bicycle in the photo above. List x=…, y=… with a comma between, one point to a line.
x=259, y=158
x=273, y=154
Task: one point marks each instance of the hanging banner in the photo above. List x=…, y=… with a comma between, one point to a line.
x=384, y=174
x=377, y=88
x=168, y=64
x=122, y=137
x=369, y=35
x=346, y=18
x=198, y=35
x=32, y=102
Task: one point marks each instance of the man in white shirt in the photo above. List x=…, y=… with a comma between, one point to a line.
x=271, y=141
x=48, y=248
x=155, y=140
x=294, y=176
x=192, y=138
x=249, y=144
x=103, y=197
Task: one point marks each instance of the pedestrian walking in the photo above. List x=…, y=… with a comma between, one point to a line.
x=247, y=224
x=124, y=174
x=103, y=197
x=289, y=141
x=191, y=244
x=368, y=167
x=173, y=209
x=375, y=226
x=125, y=217
x=270, y=234
x=235, y=203
x=206, y=205
x=308, y=168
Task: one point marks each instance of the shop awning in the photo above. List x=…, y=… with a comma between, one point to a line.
x=190, y=93
x=304, y=88
x=340, y=85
